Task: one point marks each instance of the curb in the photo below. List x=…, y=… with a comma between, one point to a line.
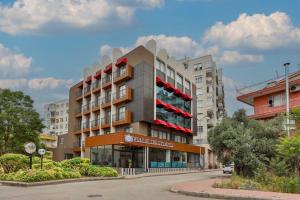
x=215, y=196
x=56, y=182
x=166, y=174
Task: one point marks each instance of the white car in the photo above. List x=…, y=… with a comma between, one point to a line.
x=227, y=169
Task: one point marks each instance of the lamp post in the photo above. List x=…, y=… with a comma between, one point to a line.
x=42, y=153
x=286, y=66
x=30, y=148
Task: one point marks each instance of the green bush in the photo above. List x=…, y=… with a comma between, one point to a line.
x=95, y=171
x=74, y=163
x=13, y=162
x=47, y=165
x=40, y=175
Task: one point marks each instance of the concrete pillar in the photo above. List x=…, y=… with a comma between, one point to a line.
x=168, y=156
x=146, y=158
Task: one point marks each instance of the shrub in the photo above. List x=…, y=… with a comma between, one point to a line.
x=47, y=165
x=279, y=167
x=74, y=162
x=40, y=175
x=92, y=170
x=13, y=162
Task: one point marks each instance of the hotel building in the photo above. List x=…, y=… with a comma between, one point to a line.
x=135, y=110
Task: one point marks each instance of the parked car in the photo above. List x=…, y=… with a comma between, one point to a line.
x=228, y=169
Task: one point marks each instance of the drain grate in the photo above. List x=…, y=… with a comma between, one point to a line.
x=94, y=195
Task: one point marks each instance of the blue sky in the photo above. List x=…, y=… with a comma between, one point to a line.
x=44, y=45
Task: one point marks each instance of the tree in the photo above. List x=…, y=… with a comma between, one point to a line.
x=19, y=122
x=247, y=143
x=288, y=150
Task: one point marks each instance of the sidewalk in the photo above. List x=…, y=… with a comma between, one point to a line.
x=204, y=188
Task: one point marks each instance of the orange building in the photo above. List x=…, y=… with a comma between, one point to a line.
x=270, y=101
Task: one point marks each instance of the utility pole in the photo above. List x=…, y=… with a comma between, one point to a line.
x=287, y=91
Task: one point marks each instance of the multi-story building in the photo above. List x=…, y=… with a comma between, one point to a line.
x=136, y=111
x=270, y=100
x=56, y=117
x=50, y=141
x=210, y=99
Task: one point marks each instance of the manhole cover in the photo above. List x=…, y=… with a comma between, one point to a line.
x=94, y=195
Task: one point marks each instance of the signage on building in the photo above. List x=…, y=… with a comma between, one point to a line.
x=130, y=138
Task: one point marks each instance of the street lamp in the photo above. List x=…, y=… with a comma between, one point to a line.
x=30, y=148
x=286, y=66
x=42, y=153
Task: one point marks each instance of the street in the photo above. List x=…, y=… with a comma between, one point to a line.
x=156, y=187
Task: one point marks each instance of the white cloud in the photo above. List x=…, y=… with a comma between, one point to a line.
x=186, y=46
x=232, y=57
x=34, y=15
x=258, y=31
x=13, y=64
x=48, y=83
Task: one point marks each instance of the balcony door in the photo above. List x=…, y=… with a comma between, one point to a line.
x=121, y=113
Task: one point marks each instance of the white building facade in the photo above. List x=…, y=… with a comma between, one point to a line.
x=210, y=100
x=56, y=116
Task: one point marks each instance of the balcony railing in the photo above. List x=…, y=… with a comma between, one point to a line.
x=96, y=86
x=105, y=122
x=106, y=101
x=122, y=96
x=96, y=104
x=122, y=118
x=95, y=123
x=106, y=81
x=86, y=108
x=86, y=125
x=122, y=74
x=87, y=89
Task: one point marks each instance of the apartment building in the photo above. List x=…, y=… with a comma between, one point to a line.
x=270, y=100
x=135, y=110
x=210, y=99
x=56, y=115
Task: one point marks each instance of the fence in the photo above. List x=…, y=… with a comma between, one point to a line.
x=135, y=171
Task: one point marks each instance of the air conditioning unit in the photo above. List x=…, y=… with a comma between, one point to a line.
x=295, y=88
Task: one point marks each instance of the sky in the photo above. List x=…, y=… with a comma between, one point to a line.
x=45, y=44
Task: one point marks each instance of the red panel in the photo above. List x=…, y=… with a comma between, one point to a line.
x=88, y=79
x=186, y=97
x=160, y=82
x=108, y=69
x=177, y=92
x=98, y=74
x=121, y=61
x=160, y=103
x=169, y=87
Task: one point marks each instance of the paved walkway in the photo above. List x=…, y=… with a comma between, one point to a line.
x=203, y=188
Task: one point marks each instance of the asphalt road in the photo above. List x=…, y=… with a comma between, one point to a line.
x=146, y=188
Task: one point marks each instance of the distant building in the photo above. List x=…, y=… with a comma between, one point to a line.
x=50, y=141
x=207, y=77
x=56, y=117
x=270, y=100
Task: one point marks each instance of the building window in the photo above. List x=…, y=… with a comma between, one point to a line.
x=179, y=79
x=61, y=141
x=122, y=70
x=199, y=79
x=177, y=138
x=154, y=133
x=183, y=140
x=161, y=66
x=122, y=91
x=121, y=113
x=198, y=66
x=128, y=129
x=170, y=73
x=199, y=130
x=187, y=84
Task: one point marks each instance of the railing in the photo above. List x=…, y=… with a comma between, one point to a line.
x=86, y=107
x=95, y=123
x=106, y=79
x=86, y=125
x=96, y=84
x=119, y=73
x=95, y=104
x=124, y=95
x=105, y=120
x=87, y=89
x=121, y=119
x=106, y=99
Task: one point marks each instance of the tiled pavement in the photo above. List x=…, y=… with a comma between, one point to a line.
x=203, y=188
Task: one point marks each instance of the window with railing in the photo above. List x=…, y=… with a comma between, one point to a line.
x=120, y=71
x=96, y=84
x=107, y=97
x=106, y=79
x=87, y=89
x=79, y=93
